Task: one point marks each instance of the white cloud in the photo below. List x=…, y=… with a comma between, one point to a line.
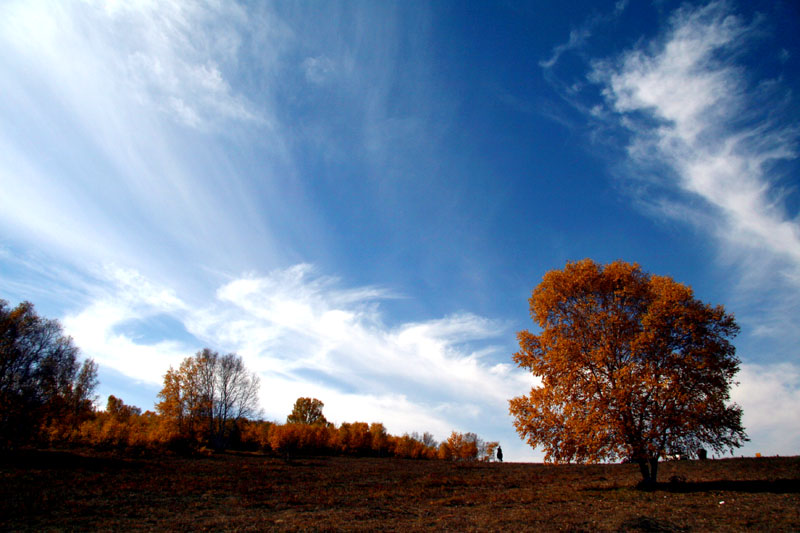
x=127, y=296
x=296, y=321
x=769, y=396
x=154, y=52
x=170, y=56
x=682, y=99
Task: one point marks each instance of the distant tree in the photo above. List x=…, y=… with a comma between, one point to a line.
x=461, y=446
x=486, y=451
x=307, y=411
x=43, y=388
x=379, y=439
x=255, y=434
x=411, y=448
x=427, y=439
x=444, y=452
x=117, y=409
x=207, y=395
x=236, y=394
x=120, y=426
x=355, y=438
x=632, y=366
x=304, y=439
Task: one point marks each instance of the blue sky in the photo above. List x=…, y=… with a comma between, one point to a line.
x=358, y=197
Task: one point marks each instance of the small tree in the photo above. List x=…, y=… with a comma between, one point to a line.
x=43, y=388
x=486, y=450
x=117, y=409
x=462, y=446
x=379, y=438
x=632, y=365
x=307, y=411
x=427, y=439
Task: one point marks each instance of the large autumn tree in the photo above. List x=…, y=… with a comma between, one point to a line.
x=632, y=366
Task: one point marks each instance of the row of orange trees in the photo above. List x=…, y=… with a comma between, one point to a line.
x=362, y=439
x=122, y=426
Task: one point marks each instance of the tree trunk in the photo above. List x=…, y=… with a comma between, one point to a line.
x=649, y=471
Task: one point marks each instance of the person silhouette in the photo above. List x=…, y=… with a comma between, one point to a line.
x=500, y=454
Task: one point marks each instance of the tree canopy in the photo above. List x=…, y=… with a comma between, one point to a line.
x=632, y=366
x=307, y=411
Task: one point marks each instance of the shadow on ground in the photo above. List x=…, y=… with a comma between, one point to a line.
x=58, y=460
x=755, y=486
x=775, y=486
x=647, y=524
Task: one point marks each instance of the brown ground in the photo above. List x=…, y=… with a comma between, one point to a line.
x=84, y=491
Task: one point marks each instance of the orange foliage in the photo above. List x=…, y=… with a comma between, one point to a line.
x=124, y=427
x=290, y=439
x=307, y=411
x=254, y=434
x=488, y=452
x=466, y=447
x=379, y=439
x=354, y=439
x=462, y=446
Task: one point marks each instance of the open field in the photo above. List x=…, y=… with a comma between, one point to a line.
x=54, y=490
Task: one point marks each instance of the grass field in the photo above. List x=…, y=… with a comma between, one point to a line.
x=57, y=490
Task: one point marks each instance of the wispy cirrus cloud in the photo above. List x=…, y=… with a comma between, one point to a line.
x=684, y=99
x=124, y=120
x=579, y=36
x=108, y=131
x=151, y=53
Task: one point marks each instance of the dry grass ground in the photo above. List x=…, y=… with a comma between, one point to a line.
x=52, y=490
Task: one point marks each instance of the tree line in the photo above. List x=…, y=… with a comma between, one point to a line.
x=208, y=403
